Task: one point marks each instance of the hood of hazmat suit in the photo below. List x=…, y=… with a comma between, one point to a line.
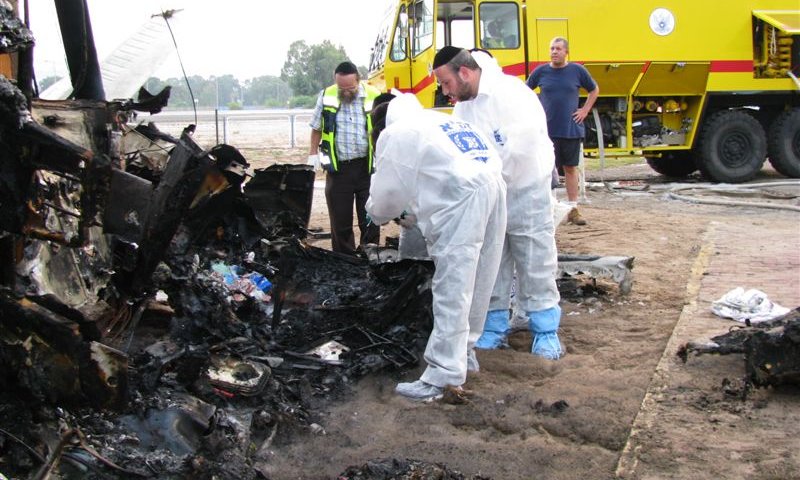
x=510, y=114
x=403, y=105
x=420, y=167
x=488, y=64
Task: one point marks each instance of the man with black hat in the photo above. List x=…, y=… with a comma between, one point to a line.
x=445, y=174
x=340, y=131
x=505, y=110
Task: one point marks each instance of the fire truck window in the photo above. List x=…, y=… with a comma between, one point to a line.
x=462, y=33
x=399, y=40
x=499, y=25
x=455, y=25
x=381, y=46
x=421, y=26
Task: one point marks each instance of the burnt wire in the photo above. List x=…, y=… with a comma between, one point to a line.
x=86, y=464
x=157, y=147
x=165, y=16
x=28, y=447
x=55, y=455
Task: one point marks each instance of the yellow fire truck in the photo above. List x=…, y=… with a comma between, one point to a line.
x=688, y=84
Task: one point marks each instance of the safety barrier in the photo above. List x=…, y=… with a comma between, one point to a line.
x=276, y=128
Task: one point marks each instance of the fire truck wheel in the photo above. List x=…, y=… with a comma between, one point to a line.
x=674, y=163
x=732, y=148
x=783, y=146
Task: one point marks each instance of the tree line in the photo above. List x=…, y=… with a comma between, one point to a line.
x=307, y=70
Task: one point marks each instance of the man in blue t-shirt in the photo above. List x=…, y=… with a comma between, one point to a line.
x=559, y=82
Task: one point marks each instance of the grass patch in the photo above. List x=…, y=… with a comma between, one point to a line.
x=592, y=164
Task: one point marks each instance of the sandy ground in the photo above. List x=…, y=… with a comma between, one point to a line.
x=619, y=404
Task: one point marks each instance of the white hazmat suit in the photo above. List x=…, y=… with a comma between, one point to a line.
x=443, y=171
x=509, y=113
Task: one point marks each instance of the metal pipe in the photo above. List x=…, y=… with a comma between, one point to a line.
x=291, y=122
x=216, y=125
x=796, y=81
x=76, y=32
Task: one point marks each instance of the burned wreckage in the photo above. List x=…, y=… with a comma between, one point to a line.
x=771, y=350
x=160, y=312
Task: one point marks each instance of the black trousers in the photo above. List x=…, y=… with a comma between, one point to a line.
x=342, y=189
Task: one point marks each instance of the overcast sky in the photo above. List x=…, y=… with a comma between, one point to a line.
x=246, y=38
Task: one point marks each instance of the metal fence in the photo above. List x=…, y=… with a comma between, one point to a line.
x=278, y=128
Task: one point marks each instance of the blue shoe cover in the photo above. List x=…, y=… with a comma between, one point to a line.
x=544, y=324
x=546, y=345
x=495, y=330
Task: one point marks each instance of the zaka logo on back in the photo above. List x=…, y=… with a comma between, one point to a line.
x=464, y=137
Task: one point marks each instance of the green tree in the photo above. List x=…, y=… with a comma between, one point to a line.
x=303, y=101
x=182, y=98
x=179, y=95
x=208, y=93
x=309, y=69
x=228, y=89
x=267, y=91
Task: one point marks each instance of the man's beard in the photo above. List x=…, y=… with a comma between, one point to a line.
x=346, y=97
x=463, y=93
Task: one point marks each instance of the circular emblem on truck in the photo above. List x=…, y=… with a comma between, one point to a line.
x=662, y=21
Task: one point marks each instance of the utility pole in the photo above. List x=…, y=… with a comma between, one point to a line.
x=216, y=97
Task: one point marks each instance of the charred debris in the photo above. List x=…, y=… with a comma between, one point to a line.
x=161, y=314
x=771, y=350
x=408, y=469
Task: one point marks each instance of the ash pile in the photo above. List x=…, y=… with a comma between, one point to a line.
x=771, y=350
x=161, y=315
x=403, y=469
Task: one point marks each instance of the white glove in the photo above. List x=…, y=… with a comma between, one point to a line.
x=313, y=160
x=408, y=220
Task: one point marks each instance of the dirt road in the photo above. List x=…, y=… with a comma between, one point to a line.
x=620, y=403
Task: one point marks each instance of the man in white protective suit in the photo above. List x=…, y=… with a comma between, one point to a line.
x=504, y=109
x=442, y=172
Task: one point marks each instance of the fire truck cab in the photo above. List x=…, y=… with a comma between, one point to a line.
x=688, y=85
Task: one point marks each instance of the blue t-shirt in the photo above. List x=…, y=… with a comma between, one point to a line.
x=559, y=96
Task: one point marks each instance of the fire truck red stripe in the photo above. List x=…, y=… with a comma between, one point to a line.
x=424, y=83
x=732, y=66
x=717, y=66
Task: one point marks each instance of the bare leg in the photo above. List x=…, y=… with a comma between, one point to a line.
x=571, y=181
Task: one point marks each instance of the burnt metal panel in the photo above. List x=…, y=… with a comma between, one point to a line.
x=170, y=201
x=126, y=214
x=50, y=357
x=278, y=190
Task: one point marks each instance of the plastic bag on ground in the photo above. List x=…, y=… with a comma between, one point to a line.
x=741, y=305
x=251, y=284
